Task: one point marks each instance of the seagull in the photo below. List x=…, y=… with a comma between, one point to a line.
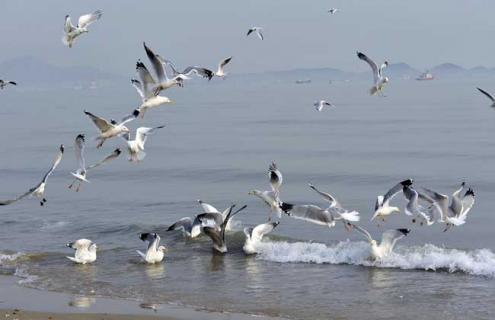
x=154, y=253
x=254, y=235
x=71, y=32
x=4, y=83
x=256, y=30
x=185, y=75
x=80, y=174
x=208, y=208
x=335, y=208
x=144, y=89
x=271, y=199
x=333, y=10
x=456, y=213
x=275, y=177
x=39, y=190
x=191, y=228
x=136, y=146
x=389, y=238
x=158, y=66
x=218, y=236
x=413, y=208
x=315, y=214
x=220, y=72
x=382, y=206
x=320, y=104
x=492, y=99
x=85, y=251
x=110, y=129
x=378, y=79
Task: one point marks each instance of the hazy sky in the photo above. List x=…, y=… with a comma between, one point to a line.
x=298, y=34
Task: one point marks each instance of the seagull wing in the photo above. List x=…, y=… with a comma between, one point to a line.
x=249, y=31
x=110, y=157
x=184, y=223
x=156, y=63
x=130, y=117
x=260, y=230
x=139, y=87
x=393, y=191
x=467, y=202
x=487, y=94
x=390, y=237
x=79, y=150
x=311, y=213
x=102, y=124
x=143, y=132
x=89, y=18
x=372, y=64
x=223, y=63
x=68, y=27
x=260, y=35
x=202, y=72
x=327, y=196
x=208, y=207
x=362, y=231
x=147, y=80
x=57, y=160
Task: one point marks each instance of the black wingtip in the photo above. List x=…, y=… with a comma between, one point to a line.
x=407, y=183
x=62, y=148
x=360, y=55
x=286, y=207
x=470, y=192
x=139, y=64
x=136, y=112
x=117, y=151
x=404, y=231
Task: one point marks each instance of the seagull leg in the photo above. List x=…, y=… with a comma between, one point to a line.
x=78, y=186
x=100, y=144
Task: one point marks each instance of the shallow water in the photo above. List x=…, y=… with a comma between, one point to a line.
x=220, y=138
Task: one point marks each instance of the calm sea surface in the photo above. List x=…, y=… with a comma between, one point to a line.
x=218, y=142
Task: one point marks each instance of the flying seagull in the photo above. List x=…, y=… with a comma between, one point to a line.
x=191, y=228
x=379, y=80
x=39, y=190
x=382, y=206
x=185, y=75
x=492, y=99
x=320, y=104
x=220, y=72
x=335, y=208
x=71, y=32
x=317, y=215
x=155, y=253
x=136, y=146
x=256, y=30
x=81, y=172
x=414, y=208
x=158, y=66
x=218, y=236
x=333, y=10
x=85, y=251
x=254, y=235
x=145, y=88
x=456, y=213
x=110, y=129
x=271, y=199
x=4, y=83
x=389, y=239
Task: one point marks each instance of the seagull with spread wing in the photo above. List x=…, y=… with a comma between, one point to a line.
x=220, y=71
x=38, y=191
x=256, y=234
x=256, y=30
x=4, y=83
x=379, y=80
x=389, y=239
x=81, y=172
x=382, y=205
x=489, y=96
x=155, y=252
x=136, y=146
x=110, y=129
x=72, y=32
x=319, y=105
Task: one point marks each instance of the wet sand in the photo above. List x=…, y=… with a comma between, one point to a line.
x=21, y=303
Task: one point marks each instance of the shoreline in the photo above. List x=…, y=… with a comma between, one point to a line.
x=17, y=302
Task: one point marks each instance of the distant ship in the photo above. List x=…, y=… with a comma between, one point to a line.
x=425, y=76
x=303, y=81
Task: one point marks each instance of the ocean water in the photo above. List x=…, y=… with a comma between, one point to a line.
x=219, y=139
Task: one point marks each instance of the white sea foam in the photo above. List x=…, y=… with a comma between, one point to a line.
x=479, y=262
x=9, y=258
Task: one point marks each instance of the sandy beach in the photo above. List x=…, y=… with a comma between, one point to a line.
x=17, y=302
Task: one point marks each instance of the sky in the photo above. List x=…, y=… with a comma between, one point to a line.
x=298, y=34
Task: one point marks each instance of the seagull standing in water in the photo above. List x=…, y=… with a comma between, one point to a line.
x=110, y=129
x=80, y=174
x=85, y=251
x=256, y=30
x=255, y=235
x=489, y=96
x=319, y=105
x=389, y=239
x=4, y=83
x=379, y=80
x=72, y=32
x=136, y=146
x=155, y=253
x=382, y=205
x=145, y=88
x=39, y=190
